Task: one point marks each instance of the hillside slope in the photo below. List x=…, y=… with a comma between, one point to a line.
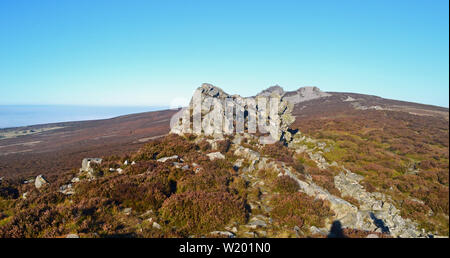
x=349, y=165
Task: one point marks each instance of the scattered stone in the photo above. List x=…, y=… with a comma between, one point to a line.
x=261, y=233
x=215, y=155
x=127, y=211
x=164, y=159
x=247, y=153
x=238, y=164
x=24, y=195
x=197, y=169
x=223, y=234
x=66, y=189
x=315, y=230
x=372, y=236
x=257, y=223
x=177, y=164
x=119, y=170
x=156, y=225
x=250, y=234
x=126, y=163
x=75, y=180
x=297, y=231
x=29, y=181
x=40, y=181
x=86, y=164
x=72, y=236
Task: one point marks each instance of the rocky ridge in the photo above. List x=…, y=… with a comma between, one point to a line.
x=375, y=212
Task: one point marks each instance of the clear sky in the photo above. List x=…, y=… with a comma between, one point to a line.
x=92, y=52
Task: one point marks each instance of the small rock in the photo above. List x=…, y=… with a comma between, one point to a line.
x=177, y=164
x=119, y=170
x=29, y=181
x=164, y=159
x=372, y=236
x=223, y=233
x=156, y=225
x=315, y=230
x=66, y=189
x=24, y=195
x=127, y=211
x=86, y=163
x=40, y=181
x=262, y=233
x=75, y=180
x=297, y=231
x=215, y=155
x=126, y=162
x=250, y=234
x=378, y=206
x=257, y=223
x=238, y=164
x=72, y=236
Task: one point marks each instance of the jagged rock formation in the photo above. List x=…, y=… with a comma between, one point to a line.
x=273, y=89
x=213, y=108
x=375, y=212
x=278, y=127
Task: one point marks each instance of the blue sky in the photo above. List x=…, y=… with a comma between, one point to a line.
x=155, y=52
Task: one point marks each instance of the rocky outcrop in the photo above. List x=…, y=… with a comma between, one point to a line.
x=222, y=113
x=305, y=94
x=273, y=89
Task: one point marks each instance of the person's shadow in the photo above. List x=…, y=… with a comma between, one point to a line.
x=336, y=230
x=380, y=224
